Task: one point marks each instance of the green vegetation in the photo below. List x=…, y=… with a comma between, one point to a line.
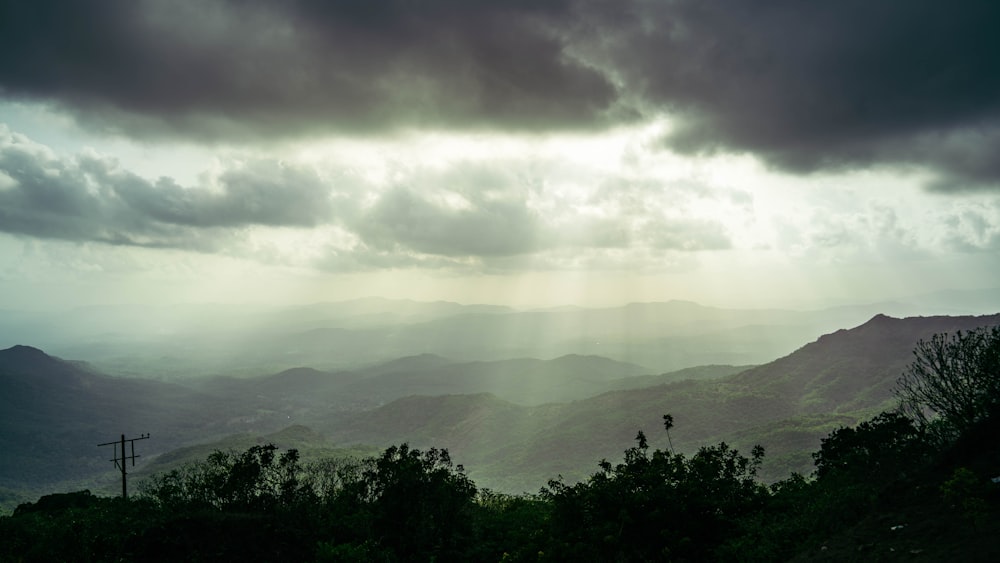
x=878, y=487
x=891, y=488
x=955, y=376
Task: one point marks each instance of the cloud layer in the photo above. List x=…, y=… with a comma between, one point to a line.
x=820, y=85
x=481, y=214
x=91, y=198
x=217, y=69
x=531, y=212
x=804, y=86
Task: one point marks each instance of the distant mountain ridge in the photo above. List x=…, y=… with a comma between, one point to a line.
x=787, y=404
x=74, y=407
x=182, y=341
x=523, y=380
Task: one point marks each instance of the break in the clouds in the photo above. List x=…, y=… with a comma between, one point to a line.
x=804, y=86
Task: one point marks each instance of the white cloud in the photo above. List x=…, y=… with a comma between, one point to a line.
x=450, y=207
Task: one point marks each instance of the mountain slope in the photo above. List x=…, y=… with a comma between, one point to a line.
x=788, y=405
x=853, y=369
x=53, y=413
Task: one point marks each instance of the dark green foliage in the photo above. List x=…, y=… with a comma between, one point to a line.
x=876, y=450
x=906, y=483
x=261, y=505
x=254, y=480
x=401, y=505
x=891, y=485
x=104, y=530
x=412, y=504
x=58, y=501
x=655, y=506
x=956, y=377
x=965, y=493
x=510, y=528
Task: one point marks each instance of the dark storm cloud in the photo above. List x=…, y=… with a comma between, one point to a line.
x=804, y=85
x=220, y=68
x=822, y=85
x=91, y=198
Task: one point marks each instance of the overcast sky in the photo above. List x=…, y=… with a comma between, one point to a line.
x=588, y=152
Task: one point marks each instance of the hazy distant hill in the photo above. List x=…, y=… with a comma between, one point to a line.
x=787, y=405
x=524, y=381
x=528, y=381
x=196, y=339
x=182, y=341
x=695, y=373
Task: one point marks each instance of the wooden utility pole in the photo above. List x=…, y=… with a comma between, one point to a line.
x=120, y=462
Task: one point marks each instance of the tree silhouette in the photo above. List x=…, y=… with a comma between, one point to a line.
x=253, y=480
x=655, y=506
x=954, y=378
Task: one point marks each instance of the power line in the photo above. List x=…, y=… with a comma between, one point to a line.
x=120, y=461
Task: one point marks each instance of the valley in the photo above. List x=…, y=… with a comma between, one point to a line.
x=513, y=423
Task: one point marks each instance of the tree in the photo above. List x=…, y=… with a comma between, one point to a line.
x=954, y=378
x=253, y=480
x=655, y=506
x=414, y=503
x=875, y=451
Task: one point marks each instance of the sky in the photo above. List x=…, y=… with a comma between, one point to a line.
x=528, y=153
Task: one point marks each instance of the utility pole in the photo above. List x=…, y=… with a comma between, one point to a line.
x=120, y=462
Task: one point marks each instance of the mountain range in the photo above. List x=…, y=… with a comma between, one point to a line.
x=787, y=405
x=184, y=341
x=512, y=423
